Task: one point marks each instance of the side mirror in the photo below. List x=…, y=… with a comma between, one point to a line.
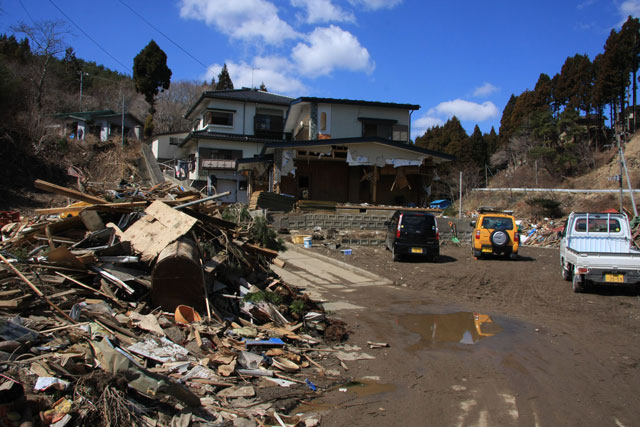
x=472, y=223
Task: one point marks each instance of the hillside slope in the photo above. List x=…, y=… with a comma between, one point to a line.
x=600, y=177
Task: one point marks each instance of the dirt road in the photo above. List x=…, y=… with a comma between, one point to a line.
x=543, y=356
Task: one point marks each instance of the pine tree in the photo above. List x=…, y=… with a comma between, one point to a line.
x=150, y=73
x=263, y=87
x=224, y=80
x=479, y=150
x=506, y=130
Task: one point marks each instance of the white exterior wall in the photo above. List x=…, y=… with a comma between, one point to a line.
x=162, y=149
x=345, y=123
x=242, y=116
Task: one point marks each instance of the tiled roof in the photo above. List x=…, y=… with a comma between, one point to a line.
x=243, y=95
x=355, y=102
x=203, y=134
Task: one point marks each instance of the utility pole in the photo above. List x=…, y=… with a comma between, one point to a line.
x=623, y=167
x=460, y=209
x=122, y=120
x=81, y=75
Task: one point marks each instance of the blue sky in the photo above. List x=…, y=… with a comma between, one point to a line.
x=462, y=58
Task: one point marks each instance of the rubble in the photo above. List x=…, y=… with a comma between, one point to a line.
x=153, y=311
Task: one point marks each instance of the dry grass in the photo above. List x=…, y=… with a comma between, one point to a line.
x=607, y=165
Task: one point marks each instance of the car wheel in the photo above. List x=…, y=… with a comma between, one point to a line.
x=477, y=253
x=513, y=256
x=499, y=238
x=578, y=283
x=395, y=255
x=566, y=274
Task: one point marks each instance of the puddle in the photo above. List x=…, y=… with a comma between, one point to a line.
x=342, y=395
x=462, y=328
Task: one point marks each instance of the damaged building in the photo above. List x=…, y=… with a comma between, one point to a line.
x=339, y=150
x=347, y=151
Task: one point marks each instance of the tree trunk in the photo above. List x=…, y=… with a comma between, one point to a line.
x=635, y=87
x=40, y=86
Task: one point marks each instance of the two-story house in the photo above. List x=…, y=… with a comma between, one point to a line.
x=229, y=125
x=349, y=151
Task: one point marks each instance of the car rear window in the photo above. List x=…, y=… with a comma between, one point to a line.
x=598, y=225
x=417, y=222
x=494, y=222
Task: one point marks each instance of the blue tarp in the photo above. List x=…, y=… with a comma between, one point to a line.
x=440, y=204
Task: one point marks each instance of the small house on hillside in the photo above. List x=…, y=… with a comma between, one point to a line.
x=103, y=124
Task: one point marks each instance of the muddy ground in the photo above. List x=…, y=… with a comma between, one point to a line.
x=548, y=358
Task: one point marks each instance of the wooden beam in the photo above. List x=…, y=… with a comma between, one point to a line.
x=64, y=191
x=108, y=206
x=36, y=290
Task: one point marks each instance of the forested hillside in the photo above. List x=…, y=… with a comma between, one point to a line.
x=561, y=127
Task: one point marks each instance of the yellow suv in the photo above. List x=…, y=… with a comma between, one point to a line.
x=495, y=233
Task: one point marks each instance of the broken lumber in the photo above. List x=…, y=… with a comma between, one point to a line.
x=64, y=191
x=36, y=290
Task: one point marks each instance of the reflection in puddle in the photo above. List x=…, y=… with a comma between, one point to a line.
x=462, y=327
x=339, y=395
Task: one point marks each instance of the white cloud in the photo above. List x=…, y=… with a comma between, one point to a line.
x=329, y=48
x=630, y=7
x=466, y=110
x=421, y=125
x=275, y=72
x=375, y=4
x=323, y=11
x=240, y=19
x=585, y=4
x=485, y=90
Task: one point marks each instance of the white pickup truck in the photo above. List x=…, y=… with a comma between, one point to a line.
x=597, y=248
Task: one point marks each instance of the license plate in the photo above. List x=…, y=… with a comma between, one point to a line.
x=614, y=278
x=485, y=250
x=416, y=250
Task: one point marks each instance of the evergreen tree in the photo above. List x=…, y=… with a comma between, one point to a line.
x=492, y=141
x=224, y=79
x=150, y=73
x=506, y=129
x=479, y=152
x=543, y=92
x=630, y=35
x=263, y=87
x=616, y=68
x=575, y=83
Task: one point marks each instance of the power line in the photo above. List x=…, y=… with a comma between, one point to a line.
x=124, y=67
x=163, y=34
x=27, y=12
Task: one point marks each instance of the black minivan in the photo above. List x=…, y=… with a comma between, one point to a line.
x=413, y=233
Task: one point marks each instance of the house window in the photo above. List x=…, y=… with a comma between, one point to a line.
x=382, y=130
x=323, y=120
x=400, y=132
x=220, y=118
x=175, y=141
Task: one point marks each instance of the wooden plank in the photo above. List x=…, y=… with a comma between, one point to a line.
x=106, y=206
x=152, y=233
x=259, y=249
x=36, y=290
x=64, y=191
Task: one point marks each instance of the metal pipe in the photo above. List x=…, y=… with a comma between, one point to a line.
x=206, y=199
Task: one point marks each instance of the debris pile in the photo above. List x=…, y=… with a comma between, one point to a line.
x=546, y=233
x=153, y=310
